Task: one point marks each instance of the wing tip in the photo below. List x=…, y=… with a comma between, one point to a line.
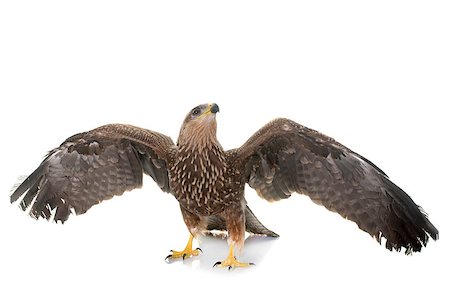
x=34, y=194
x=409, y=226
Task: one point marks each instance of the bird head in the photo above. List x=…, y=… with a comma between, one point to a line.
x=199, y=127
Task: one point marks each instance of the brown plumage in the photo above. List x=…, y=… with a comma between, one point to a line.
x=283, y=157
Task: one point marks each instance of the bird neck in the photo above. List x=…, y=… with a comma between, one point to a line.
x=198, y=137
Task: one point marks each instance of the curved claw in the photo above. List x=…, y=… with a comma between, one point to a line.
x=184, y=254
x=217, y=263
x=199, y=249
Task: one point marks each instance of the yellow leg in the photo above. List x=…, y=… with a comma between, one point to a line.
x=186, y=253
x=231, y=261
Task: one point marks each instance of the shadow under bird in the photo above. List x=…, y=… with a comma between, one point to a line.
x=281, y=158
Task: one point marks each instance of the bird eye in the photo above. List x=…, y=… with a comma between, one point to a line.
x=195, y=111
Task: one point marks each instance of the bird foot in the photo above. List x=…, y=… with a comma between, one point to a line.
x=231, y=262
x=186, y=253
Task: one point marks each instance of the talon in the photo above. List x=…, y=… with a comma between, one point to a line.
x=231, y=261
x=186, y=253
x=199, y=249
x=168, y=257
x=251, y=263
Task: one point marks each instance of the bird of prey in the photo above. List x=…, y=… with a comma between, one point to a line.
x=281, y=158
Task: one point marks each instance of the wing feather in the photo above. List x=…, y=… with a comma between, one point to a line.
x=284, y=157
x=94, y=166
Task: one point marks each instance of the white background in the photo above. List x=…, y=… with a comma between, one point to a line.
x=374, y=75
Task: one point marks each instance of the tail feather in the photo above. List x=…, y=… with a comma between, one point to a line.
x=252, y=225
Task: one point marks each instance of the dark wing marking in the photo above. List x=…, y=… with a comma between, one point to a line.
x=94, y=166
x=284, y=157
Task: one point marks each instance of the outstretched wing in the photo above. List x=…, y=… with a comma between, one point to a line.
x=284, y=157
x=94, y=166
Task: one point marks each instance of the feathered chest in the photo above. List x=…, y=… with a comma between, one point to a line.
x=197, y=179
